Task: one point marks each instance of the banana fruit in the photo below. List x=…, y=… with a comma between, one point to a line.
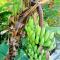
x=38, y=36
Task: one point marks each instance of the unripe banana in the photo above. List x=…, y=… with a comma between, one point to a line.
x=32, y=37
x=37, y=40
x=46, y=35
x=29, y=31
x=32, y=53
x=47, y=43
x=44, y=56
x=29, y=45
x=38, y=52
x=52, y=35
x=43, y=51
x=31, y=23
x=39, y=36
x=31, y=58
x=42, y=31
x=40, y=58
x=27, y=28
x=35, y=56
x=35, y=48
x=38, y=30
x=42, y=41
x=53, y=45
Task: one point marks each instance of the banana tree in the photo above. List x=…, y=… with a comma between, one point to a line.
x=37, y=36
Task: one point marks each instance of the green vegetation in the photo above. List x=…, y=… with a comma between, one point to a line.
x=31, y=37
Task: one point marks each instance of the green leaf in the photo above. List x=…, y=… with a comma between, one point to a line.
x=2, y=2
x=4, y=49
x=21, y=56
x=54, y=29
x=4, y=19
x=17, y=6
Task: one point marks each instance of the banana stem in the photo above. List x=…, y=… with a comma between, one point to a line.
x=40, y=12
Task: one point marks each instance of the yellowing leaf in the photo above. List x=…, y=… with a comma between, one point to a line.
x=2, y=2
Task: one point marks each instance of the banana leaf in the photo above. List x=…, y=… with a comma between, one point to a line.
x=54, y=29
x=4, y=48
x=21, y=56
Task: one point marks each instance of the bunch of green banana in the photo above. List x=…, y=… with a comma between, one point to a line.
x=37, y=33
x=37, y=36
x=33, y=39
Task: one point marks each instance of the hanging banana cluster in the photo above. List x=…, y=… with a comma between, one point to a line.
x=37, y=37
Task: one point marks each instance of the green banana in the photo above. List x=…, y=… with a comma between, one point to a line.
x=31, y=58
x=39, y=58
x=38, y=51
x=43, y=56
x=38, y=36
x=53, y=45
x=52, y=35
x=35, y=56
x=32, y=37
x=37, y=40
x=42, y=31
x=28, y=29
x=46, y=35
x=35, y=48
x=38, y=30
x=42, y=41
x=47, y=43
x=31, y=23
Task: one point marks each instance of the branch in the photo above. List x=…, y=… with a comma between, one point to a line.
x=24, y=15
x=41, y=18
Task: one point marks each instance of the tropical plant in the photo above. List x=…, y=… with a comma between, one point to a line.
x=36, y=37
x=25, y=32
